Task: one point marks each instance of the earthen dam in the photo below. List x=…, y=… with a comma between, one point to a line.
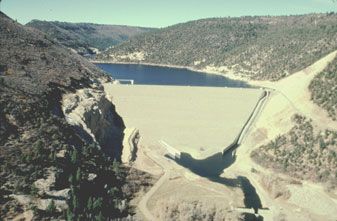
x=201, y=121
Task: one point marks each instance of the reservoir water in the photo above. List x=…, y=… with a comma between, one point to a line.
x=154, y=75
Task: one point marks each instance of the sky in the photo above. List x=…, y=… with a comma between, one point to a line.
x=154, y=13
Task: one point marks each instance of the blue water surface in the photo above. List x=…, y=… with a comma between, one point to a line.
x=154, y=75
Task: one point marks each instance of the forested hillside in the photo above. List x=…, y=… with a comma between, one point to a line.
x=324, y=89
x=83, y=36
x=48, y=167
x=258, y=47
x=303, y=153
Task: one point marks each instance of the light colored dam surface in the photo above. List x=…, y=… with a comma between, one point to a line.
x=201, y=121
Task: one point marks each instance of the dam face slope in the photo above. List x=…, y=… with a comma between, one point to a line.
x=201, y=121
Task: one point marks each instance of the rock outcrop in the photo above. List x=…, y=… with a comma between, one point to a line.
x=35, y=73
x=92, y=112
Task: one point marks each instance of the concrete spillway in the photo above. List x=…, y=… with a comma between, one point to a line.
x=239, y=138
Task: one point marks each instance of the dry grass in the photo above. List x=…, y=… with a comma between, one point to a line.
x=275, y=186
x=173, y=210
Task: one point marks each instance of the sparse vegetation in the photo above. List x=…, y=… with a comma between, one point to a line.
x=37, y=143
x=51, y=207
x=302, y=153
x=324, y=89
x=83, y=36
x=275, y=186
x=173, y=209
x=258, y=47
x=76, y=169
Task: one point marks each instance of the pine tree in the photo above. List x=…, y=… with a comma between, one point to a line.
x=74, y=157
x=52, y=156
x=100, y=217
x=75, y=203
x=112, y=191
x=51, y=208
x=78, y=175
x=98, y=204
x=115, y=167
x=34, y=191
x=70, y=215
x=38, y=149
x=89, y=205
x=71, y=179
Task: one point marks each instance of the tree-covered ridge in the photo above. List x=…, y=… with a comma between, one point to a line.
x=85, y=35
x=324, y=89
x=259, y=47
x=303, y=153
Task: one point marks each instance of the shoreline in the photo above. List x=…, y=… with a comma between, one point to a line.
x=228, y=75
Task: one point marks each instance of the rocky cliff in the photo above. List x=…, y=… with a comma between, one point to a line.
x=92, y=112
x=36, y=72
x=35, y=137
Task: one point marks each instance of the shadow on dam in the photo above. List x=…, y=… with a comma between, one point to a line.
x=213, y=166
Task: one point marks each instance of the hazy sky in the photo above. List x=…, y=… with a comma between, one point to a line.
x=154, y=13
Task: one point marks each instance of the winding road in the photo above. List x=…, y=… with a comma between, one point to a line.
x=160, y=161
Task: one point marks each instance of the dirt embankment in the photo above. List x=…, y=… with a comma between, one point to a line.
x=291, y=97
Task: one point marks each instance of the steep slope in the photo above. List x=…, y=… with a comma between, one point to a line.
x=256, y=47
x=302, y=153
x=306, y=146
x=84, y=37
x=58, y=170
x=324, y=89
x=293, y=139
x=36, y=71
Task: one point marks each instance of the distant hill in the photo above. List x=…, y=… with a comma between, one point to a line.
x=83, y=36
x=261, y=47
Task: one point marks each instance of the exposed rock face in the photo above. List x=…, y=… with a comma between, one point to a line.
x=90, y=110
x=35, y=73
x=130, y=145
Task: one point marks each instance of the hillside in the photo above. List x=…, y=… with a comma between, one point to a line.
x=83, y=37
x=324, y=89
x=261, y=47
x=304, y=146
x=48, y=167
x=303, y=153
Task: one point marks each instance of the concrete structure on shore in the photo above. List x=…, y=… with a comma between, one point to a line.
x=201, y=121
